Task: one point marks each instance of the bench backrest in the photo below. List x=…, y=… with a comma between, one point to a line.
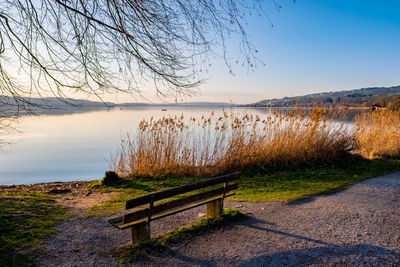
x=133, y=203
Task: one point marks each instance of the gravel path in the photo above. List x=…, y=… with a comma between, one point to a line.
x=359, y=227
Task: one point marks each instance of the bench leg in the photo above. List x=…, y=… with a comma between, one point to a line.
x=140, y=233
x=214, y=209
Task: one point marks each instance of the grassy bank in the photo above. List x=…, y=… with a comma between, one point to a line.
x=26, y=219
x=273, y=184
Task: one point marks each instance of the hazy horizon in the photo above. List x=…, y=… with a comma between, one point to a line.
x=211, y=101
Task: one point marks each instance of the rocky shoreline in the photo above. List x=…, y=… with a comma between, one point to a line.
x=51, y=187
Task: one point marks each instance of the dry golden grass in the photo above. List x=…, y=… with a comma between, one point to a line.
x=377, y=134
x=232, y=141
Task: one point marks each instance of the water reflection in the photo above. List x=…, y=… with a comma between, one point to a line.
x=8, y=130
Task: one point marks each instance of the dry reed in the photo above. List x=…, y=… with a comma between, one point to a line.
x=377, y=134
x=232, y=141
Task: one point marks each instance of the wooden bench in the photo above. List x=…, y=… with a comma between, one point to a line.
x=139, y=218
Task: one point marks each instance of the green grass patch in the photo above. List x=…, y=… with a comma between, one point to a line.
x=157, y=245
x=25, y=220
x=297, y=182
x=287, y=183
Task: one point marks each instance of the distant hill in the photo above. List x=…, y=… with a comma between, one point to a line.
x=47, y=105
x=53, y=102
x=53, y=105
x=185, y=104
x=357, y=97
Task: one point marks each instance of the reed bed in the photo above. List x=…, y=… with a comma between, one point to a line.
x=377, y=134
x=232, y=141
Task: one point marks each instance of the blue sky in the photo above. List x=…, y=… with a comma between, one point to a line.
x=314, y=46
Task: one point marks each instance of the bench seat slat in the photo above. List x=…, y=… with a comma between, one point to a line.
x=172, y=211
x=180, y=190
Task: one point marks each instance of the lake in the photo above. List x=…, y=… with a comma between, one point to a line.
x=77, y=146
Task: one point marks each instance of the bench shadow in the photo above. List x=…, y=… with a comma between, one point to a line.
x=303, y=200
x=366, y=255
x=191, y=260
x=299, y=257
x=254, y=223
x=326, y=250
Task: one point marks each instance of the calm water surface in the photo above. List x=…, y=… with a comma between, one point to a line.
x=75, y=146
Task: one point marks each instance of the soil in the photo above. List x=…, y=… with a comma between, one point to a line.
x=359, y=226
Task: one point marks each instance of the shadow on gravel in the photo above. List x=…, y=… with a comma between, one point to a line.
x=392, y=182
x=321, y=252
x=191, y=260
x=253, y=223
x=360, y=255
x=303, y=200
x=363, y=254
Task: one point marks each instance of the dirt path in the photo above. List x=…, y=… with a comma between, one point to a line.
x=74, y=195
x=359, y=226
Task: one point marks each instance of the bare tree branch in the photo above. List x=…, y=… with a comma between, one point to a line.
x=107, y=46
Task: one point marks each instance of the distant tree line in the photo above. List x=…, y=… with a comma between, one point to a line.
x=391, y=102
x=354, y=100
x=367, y=97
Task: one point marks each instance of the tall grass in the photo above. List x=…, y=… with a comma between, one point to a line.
x=233, y=141
x=377, y=134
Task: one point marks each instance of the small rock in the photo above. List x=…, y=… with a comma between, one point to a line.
x=201, y=214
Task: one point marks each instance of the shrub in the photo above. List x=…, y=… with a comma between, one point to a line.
x=377, y=134
x=232, y=141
